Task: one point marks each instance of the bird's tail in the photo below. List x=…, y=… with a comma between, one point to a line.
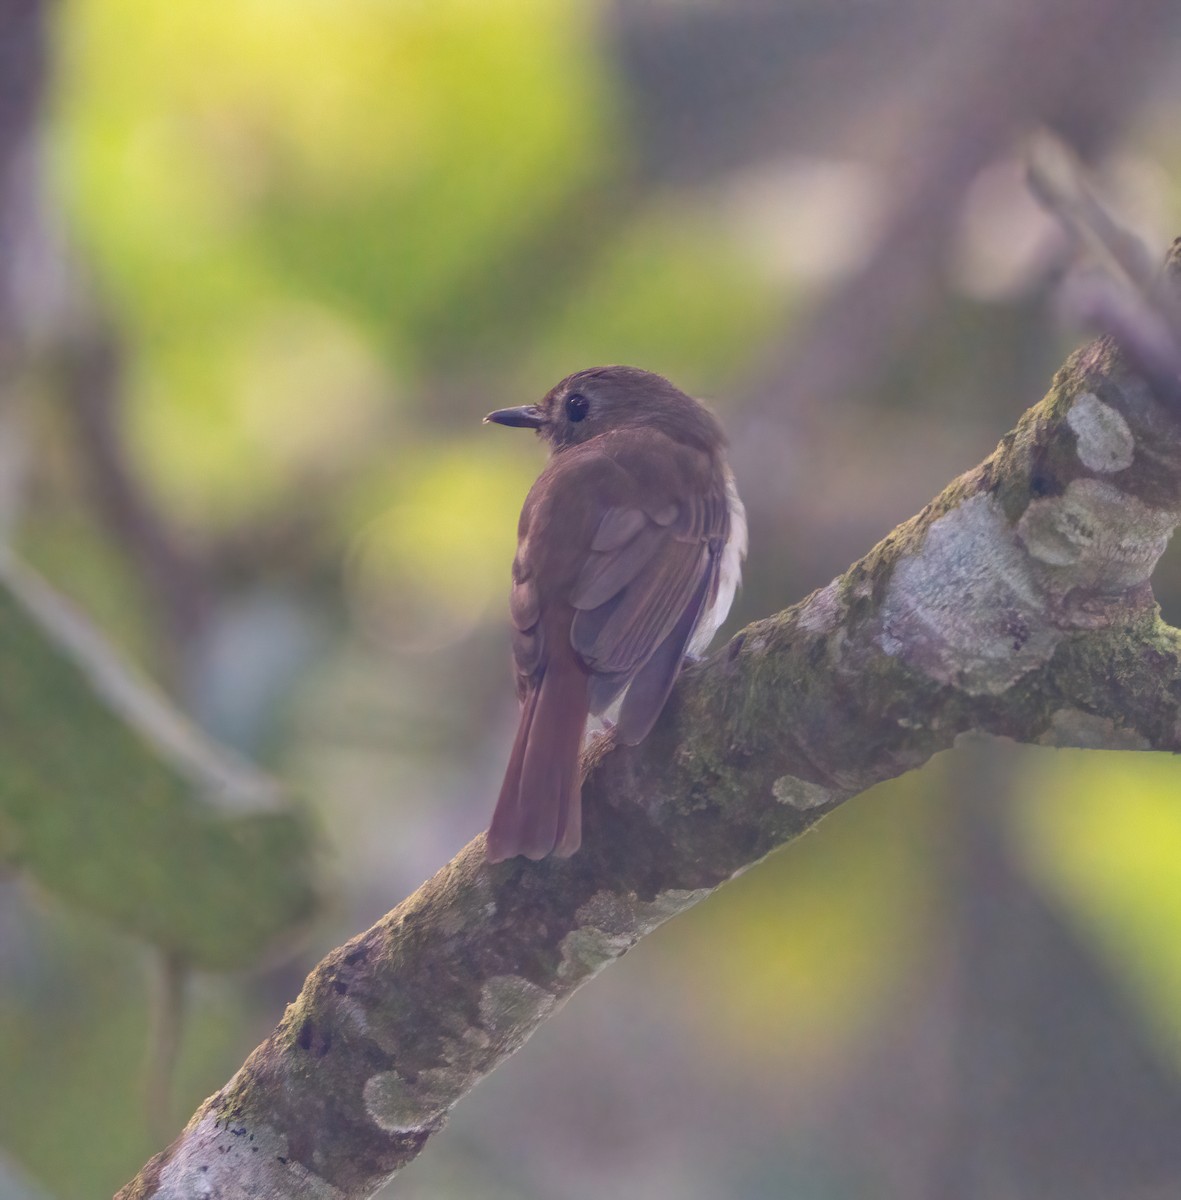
x=539, y=811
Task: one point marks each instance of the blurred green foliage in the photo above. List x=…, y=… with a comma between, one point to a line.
x=330, y=237
x=816, y=938
x=72, y=1041
x=1102, y=832
x=315, y=223
x=109, y=800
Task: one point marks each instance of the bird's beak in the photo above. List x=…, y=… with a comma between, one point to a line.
x=528, y=416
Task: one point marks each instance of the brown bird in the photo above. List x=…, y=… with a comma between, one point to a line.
x=629, y=551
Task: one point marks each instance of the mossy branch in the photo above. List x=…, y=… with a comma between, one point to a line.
x=1017, y=603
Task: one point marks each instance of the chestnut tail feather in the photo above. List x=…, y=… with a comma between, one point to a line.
x=539, y=811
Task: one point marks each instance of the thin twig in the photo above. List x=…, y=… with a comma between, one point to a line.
x=1130, y=298
x=167, y=1021
x=1060, y=183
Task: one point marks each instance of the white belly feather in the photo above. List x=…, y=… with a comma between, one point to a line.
x=729, y=576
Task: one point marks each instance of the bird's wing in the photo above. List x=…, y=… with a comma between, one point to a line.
x=641, y=589
x=528, y=638
x=628, y=580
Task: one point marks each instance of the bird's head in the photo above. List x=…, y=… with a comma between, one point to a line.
x=602, y=400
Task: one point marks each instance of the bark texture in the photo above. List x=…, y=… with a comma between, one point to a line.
x=1017, y=604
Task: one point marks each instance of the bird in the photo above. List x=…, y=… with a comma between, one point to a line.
x=629, y=553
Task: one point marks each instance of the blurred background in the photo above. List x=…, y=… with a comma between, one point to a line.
x=264, y=266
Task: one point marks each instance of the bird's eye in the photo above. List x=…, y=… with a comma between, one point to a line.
x=577, y=406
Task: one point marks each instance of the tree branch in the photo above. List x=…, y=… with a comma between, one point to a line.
x=1017, y=603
